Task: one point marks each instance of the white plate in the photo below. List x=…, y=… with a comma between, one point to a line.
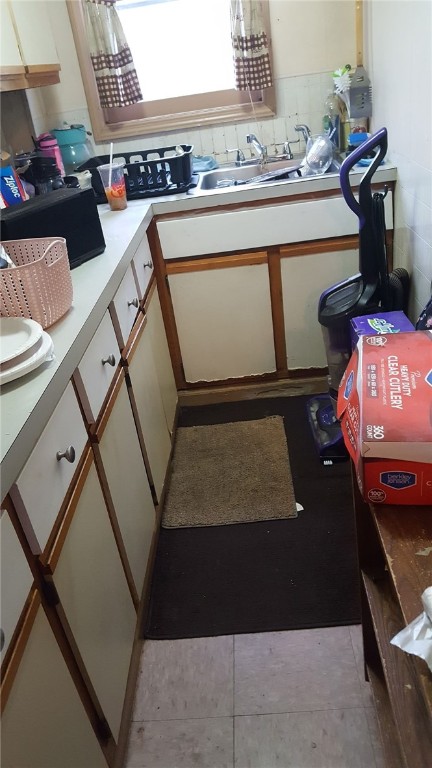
x=17, y=335
x=29, y=360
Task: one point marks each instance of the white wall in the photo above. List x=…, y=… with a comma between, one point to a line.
x=310, y=39
x=399, y=61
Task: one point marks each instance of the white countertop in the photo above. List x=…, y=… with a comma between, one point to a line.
x=27, y=403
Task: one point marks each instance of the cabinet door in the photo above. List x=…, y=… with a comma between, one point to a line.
x=147, y=402
x=10, y=56
x=162, y=358
x=224, y=320
x=97, y=369
x=124, y=307
x=304, y=278
x=44, y=724
x=16, y=580
x=94, y=595
x=128, y=485
x=142, y=266
x=34, y=32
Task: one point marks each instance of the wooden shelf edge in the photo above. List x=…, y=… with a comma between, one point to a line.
x=412, y=724
x=387, y=727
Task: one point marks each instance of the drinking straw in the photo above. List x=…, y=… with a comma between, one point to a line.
x=110, y=168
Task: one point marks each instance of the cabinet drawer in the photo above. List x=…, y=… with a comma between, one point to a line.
x=124, y=307
x=45, y=479
x=16, y=579
x=261, y=227
x=142, y=266
x=97, y=368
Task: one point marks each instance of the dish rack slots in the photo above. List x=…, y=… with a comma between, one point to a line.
x=148, y=173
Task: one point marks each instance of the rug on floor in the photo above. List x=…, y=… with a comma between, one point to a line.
x=265, y=576
x=223, y=474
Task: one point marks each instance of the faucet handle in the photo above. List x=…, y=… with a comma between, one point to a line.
x=304, y=130
x=240, y=158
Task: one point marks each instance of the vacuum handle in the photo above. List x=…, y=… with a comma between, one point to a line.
x=378, y=139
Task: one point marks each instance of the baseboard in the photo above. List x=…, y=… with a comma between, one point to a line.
x=285, y=388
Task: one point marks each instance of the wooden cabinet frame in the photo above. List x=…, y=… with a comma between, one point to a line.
x=393, y=576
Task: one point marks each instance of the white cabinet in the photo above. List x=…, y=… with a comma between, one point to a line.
x=44, y=723
x=148, y=406
x=16, y=580
x=119, y=458
x=97, y=369
x=304, y=278
x=224, y=318
x=95, y=602
x=142, y=265
x=161, y=357
x=268, y=225
x=124, y=307
x=28, y=54
x=34, y=32
x=10, y=54
x=45, y=479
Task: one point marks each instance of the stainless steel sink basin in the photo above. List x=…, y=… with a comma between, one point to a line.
x=232, y=175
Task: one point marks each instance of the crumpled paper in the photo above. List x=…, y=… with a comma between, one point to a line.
x=416, y=638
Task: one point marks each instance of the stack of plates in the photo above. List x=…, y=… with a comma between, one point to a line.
x=24, y=346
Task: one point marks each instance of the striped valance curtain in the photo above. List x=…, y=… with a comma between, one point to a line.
x=250, y=46
x=116, y=76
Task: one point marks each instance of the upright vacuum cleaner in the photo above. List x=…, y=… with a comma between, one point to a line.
x=370, y=290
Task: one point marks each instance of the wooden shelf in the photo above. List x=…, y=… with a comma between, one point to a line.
x=396, y=567
x=410, y=715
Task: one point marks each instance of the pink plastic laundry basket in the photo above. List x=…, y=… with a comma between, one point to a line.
x=40, y=285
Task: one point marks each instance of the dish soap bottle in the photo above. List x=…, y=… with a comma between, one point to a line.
x=331, y=118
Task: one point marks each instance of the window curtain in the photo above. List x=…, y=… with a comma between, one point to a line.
x=250, y=46
x=116, y=77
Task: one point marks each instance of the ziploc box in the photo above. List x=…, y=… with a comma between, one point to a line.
x=385, y=411
x=11, y=189
x=379, y=323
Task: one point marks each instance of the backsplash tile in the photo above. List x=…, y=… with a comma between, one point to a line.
x=299, y=99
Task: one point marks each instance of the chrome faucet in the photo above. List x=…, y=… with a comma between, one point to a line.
x=259, y=149
x=240, y=158
x=304, y=130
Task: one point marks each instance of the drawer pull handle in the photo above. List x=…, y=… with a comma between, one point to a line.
x=148, y=264
x=110, y=360
x=68, y=454
x=133, y=303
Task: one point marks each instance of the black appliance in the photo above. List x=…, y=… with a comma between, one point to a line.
x=68, y=213
x=372, y=289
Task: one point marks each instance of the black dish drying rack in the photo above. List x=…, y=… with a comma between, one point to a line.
x=148, y=173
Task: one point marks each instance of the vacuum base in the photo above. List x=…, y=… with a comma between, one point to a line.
x=326, y=430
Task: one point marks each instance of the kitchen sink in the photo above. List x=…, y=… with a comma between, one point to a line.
x=231, y=175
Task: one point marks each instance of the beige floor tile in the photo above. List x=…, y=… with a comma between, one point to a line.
x=357, y=643
x=206, y=743
x=185, y=679
x=325, y=739
x=295, y=671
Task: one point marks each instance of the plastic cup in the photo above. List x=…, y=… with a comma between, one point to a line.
x=116, y=191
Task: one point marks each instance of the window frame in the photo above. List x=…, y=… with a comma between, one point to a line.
x=157, y=117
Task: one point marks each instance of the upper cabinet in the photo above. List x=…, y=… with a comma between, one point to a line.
x=28, y=55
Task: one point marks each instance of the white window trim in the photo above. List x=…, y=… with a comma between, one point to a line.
x=245, y=107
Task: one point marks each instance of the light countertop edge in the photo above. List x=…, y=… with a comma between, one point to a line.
x=26, y=404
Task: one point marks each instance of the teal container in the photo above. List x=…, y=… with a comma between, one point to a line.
x=74, y=144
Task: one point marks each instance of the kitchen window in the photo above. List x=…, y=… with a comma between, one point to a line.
x=183, y=56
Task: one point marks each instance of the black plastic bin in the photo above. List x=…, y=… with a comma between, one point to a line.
x=148, y=173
